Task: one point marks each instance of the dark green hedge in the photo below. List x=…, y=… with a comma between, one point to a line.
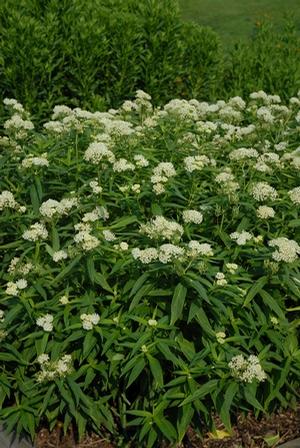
x=97, y=53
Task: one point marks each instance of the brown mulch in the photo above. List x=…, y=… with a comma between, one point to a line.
x=247, y=433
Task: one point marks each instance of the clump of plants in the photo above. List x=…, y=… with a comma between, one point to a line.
x=150, y=266
x=97, y=53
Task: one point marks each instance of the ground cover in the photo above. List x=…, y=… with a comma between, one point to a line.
x=234, y=19
x=150, y=270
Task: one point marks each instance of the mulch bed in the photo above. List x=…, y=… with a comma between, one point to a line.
x=247, y=433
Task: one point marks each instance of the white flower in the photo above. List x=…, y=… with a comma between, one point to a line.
x=46, y=322
x=247, y=370
x=7, y=200
x=160, y=227
x=136, y=188
x=1, y=315
x=123, y=165
x=287, y=250
x=145, y=256
x=262, y=191
x=169, y=252
x=192, y=216
x=64, y=300
x=242, y=237
x=89, y=320
x=220, y=336
x=59, y=255
x=152, y=322
x=231, y=267
x=16, y=122
x=21, y=284
x=98, y=151
x=294, y=195
x=86, y=240
x=123, y=246
x=243, y=153
x=195, y=248
x=220, y=279
x=196, y=163
x=35, y=161
x=265, y=212
x=108, y=235
x=36, y=232
x=11, y=289
x=95, y=187
x=43, y=358
x=140, y=160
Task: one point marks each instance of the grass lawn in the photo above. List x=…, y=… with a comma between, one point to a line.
x=234, y=19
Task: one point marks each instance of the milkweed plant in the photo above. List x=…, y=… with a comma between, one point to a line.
x=150, y=266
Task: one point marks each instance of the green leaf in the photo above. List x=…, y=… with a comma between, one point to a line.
x=255, y=289
x=203, y=390
x=140, y=281
x=271, y=303
x=178, y=303
x=230, y=393
x=136, y=371
x=186, y=415
x=156, y=370
x=165, y=427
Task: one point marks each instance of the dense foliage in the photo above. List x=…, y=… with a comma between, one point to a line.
x=150, y=270
x=97, y=53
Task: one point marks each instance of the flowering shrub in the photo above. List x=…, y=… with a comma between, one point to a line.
x=150, y=265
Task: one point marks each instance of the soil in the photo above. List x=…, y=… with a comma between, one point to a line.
x=247, y=433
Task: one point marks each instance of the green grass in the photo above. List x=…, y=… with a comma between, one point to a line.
x=235, y=19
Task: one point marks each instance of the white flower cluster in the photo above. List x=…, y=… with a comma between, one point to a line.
x=51, y=207
x=169, y=252
x=89, y=320
x=294, y=195
x=196, y=163
x=231, y=267
x=221, y=336
x=31, y=160
x=59, y=255
x=84, y=238
x=220, y=279
x=13, y=104
x=286, y=250
x=243, y=154
x=140, y=161
x=53, y=369
x=36, y=232
x=7, y=200
x=1, y=315
x=192, y=216
x=265, y=212
x=97, y=151
x=13, y=288
x=98, y=213
x=122, y=165
x=162, y=228
x=46, y=322
x=96, y=188
x=109, y=236
x=247, y=370
x=241, y=238
x=17, y=268
x=17, y=123
x=195, y=249
x=262, y=191
x=145, y=256
x=161, y=174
